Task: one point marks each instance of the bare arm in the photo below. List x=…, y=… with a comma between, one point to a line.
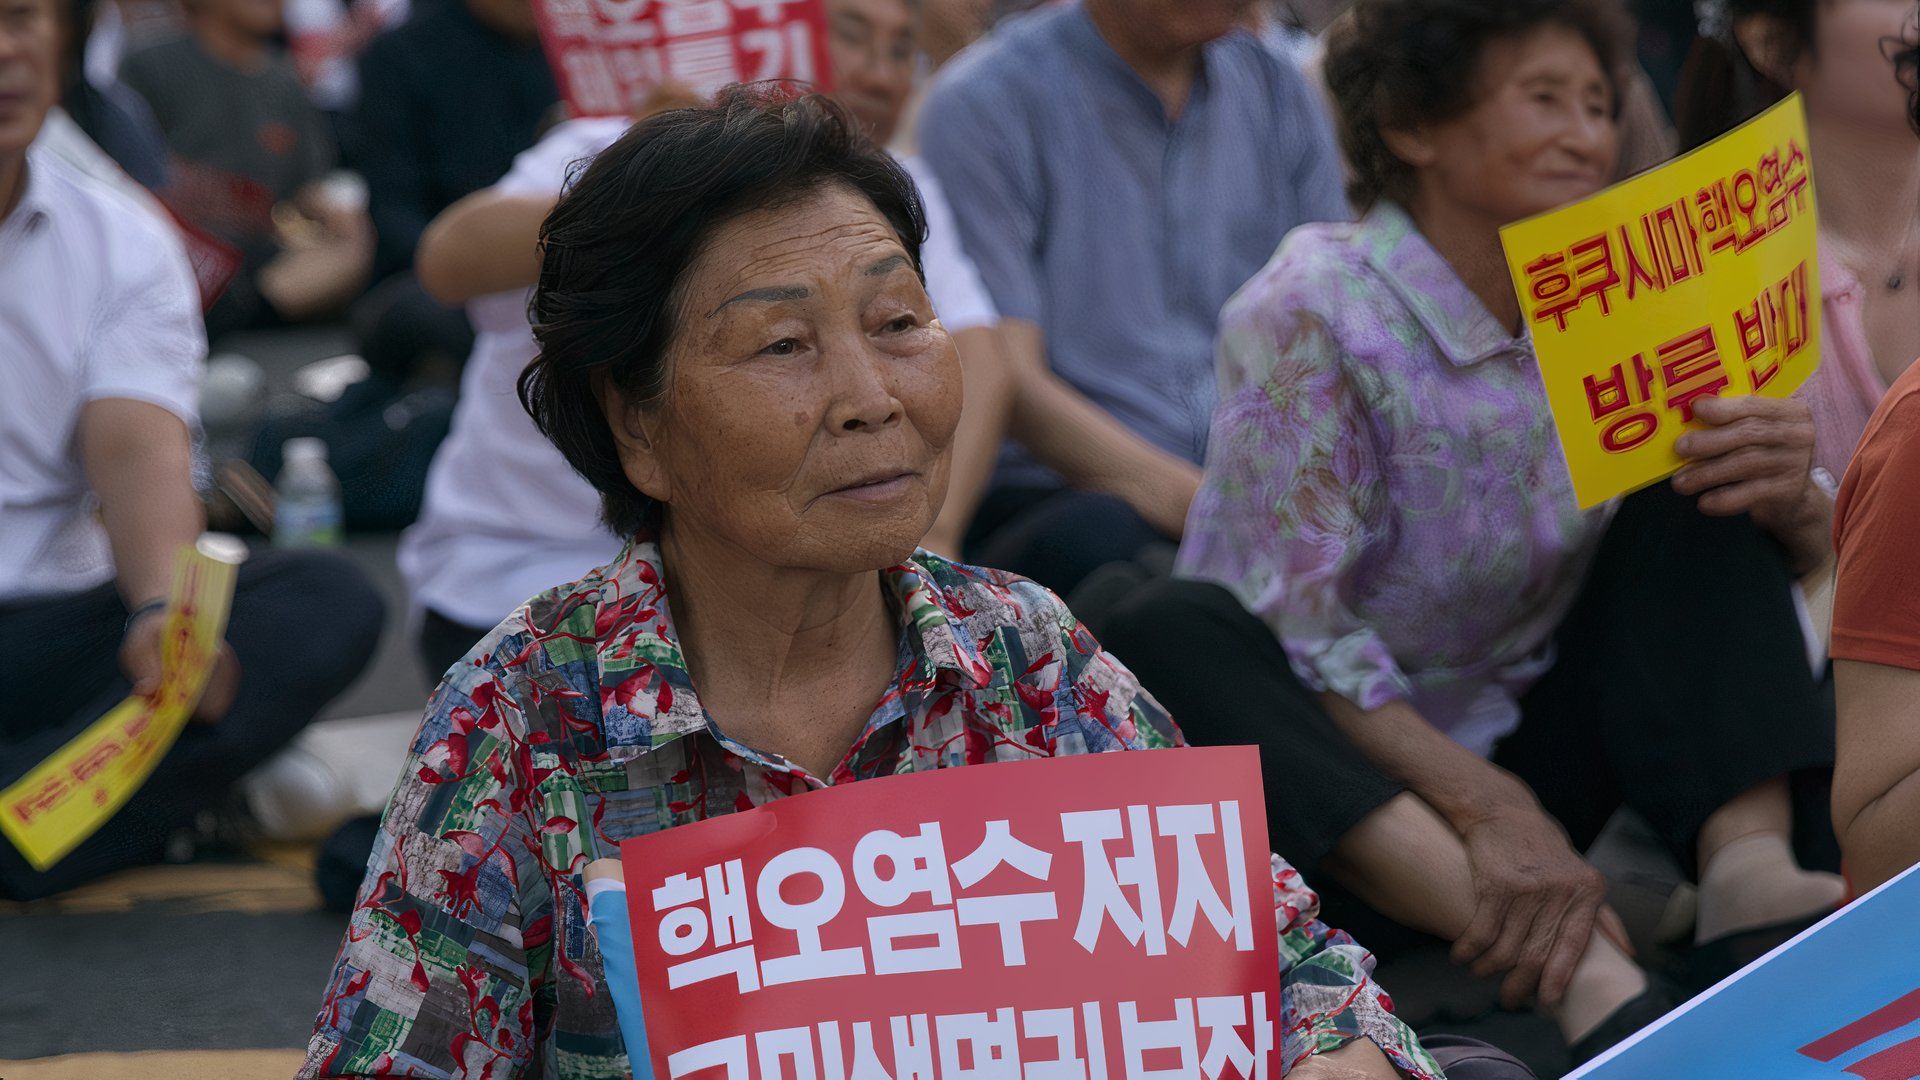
x=1085, y=444
x=138, y=459
x=976, y=445
x=485, y=243
x=139, y=462
x=1534, y=902
x=1876, y=781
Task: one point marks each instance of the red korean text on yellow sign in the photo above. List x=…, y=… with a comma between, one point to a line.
x=1699, y=277
x=67, y=797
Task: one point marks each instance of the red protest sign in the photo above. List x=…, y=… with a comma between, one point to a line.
x=607, y=54
x=1107, y=914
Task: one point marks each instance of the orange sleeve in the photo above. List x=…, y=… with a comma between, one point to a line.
x=1876, y=535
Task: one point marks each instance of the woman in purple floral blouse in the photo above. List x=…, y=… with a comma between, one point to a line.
x=737, y=350
x=1460, y=674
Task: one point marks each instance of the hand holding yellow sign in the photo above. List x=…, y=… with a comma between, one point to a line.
x=1699, y=277
x=67, y=797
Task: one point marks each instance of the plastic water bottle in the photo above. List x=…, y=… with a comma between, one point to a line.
x=307, y=503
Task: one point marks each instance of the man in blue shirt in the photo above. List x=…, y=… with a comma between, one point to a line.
x=1118, y=169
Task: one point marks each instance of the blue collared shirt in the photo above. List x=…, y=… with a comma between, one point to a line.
x=1118, y=232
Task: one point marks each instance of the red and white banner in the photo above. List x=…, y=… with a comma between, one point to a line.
x=607, y=54
x=1083, y=917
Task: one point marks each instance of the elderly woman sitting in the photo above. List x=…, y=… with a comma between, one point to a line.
x=1460, y=674
x=737, y=350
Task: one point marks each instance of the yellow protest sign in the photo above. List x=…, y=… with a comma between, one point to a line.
x=65, y=798
x=1699, y=277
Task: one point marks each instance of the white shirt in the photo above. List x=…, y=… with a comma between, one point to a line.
x=96, y=301
x=504, y=515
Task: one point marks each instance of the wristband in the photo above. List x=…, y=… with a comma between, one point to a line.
x=147, y=608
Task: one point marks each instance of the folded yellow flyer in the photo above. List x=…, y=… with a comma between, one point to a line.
x=67, y=797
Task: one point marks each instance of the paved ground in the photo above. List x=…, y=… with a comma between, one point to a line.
x=209, y=961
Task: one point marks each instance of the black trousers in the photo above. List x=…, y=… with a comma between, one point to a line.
x=303, y=626
x=1056, y=536
x=442, y=642
x=1681, y=681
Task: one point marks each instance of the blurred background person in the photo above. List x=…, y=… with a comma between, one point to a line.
x=446, y=99
x=1876, y=623
x=1118, y=168
x=250, y=154
x=1839, y=55
x=1395, y=592
x=326, y=39
x=100, y=327
x=113, y=116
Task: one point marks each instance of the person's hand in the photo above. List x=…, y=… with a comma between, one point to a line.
x=1358, y=1060
x=1757, y=458
x=140, y=662
x=1536, y=904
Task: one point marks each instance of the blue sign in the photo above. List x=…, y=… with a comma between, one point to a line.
x=1841, y=1000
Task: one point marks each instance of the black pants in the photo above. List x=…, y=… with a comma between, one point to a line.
x=1056, y=536
x=1681, y=681
x=442, y=642
x=304, y=625
x=403, y=330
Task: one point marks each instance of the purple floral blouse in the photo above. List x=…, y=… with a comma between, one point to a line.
x=1384, y=485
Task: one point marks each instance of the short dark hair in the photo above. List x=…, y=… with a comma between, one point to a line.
x=617, y=245
x=1401, y=63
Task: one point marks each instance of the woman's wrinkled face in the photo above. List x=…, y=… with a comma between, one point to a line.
x=1849, y=71
x=811, y=394
x=1541, y=133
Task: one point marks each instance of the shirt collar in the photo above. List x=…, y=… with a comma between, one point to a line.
x=1460, y=325
x=36, y=202
x=647, y=696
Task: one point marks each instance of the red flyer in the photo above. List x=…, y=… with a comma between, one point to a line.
x=1084, y=917
x=607, y=54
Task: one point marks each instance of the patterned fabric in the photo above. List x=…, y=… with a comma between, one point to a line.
x=574, y=725
x=1384, y=455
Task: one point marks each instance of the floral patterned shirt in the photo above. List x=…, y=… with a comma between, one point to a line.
x=1384, y=486
x=574, y=725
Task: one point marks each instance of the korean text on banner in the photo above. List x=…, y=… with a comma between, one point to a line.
x=608, y=54
x=1030, y=918
x=1699, y=277
x=67, y=797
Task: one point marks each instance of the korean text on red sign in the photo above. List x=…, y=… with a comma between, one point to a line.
x=1032, y=919
x=607, y=54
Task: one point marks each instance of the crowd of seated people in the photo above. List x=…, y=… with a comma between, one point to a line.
x=1204, y=332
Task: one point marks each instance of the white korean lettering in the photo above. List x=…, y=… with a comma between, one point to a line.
x=1138, y=1036
x=805, y=919
x=1194, y=892
x=919, y=865
x=1222, y=1018
x=729, y=1053
x=992, y=1045
x=1103, y=899
x=794, y=1044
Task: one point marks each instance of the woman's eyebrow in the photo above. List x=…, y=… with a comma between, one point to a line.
x=773, y=294
x=886, y=266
